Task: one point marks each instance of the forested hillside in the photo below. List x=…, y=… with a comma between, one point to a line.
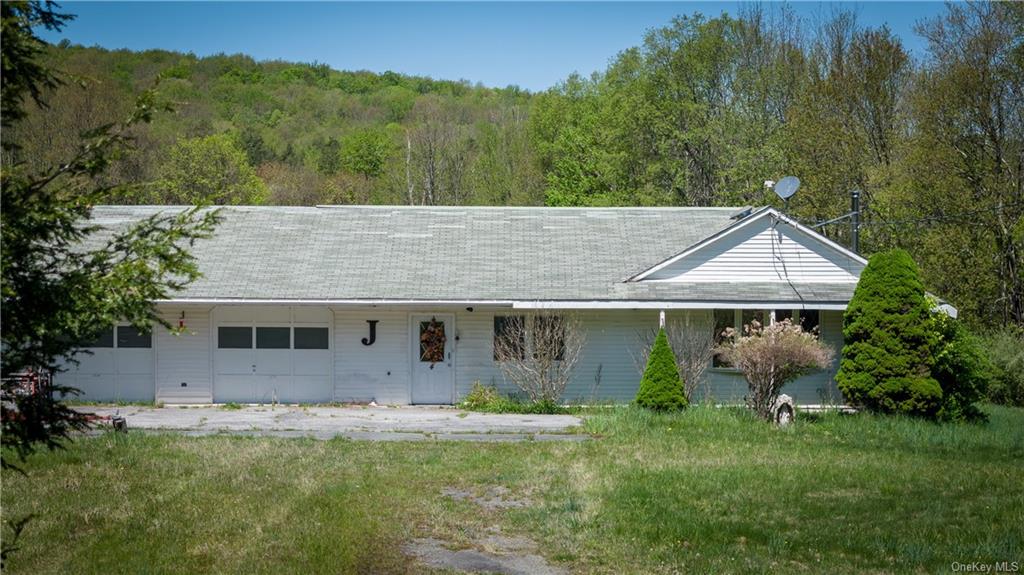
x=284, y=133
x=702, y=113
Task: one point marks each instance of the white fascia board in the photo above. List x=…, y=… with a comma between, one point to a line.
x=763, y=212
x=547, y=304
x=584, y=305
x=332, y=302
x=849, y=280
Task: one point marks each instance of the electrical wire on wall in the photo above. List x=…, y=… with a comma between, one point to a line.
x=781, y=259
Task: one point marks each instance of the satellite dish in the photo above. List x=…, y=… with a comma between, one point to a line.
x=787, y=187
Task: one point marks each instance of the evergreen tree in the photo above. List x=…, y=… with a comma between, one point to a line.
x=65, y=279
x=661, y=388
x=889, y=340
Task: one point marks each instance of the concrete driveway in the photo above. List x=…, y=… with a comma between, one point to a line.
x=411, y=423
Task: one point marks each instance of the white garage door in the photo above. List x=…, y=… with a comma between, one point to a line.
x=265, y=362
x=119, y=367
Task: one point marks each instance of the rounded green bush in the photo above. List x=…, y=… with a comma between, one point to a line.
x=661, y=388
x=962, y=369
x=889, y=340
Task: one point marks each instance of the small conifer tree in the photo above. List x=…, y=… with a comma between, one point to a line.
x=661, y=388
x=889, y=341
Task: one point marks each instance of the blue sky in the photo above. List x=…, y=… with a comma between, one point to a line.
x=533, y=45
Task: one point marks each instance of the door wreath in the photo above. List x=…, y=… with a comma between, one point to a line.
x=432, y=341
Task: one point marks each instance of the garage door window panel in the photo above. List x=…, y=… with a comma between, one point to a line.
x=273, y=338
x=311, y=338
x=132, y=337
x=273, y=350
x=230, y=337
x=103, y=339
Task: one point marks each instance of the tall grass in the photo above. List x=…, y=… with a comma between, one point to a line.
x=706, y=490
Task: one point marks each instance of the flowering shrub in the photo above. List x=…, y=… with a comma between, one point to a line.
x=772, y=356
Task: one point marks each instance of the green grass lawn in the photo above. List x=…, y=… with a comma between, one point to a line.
x=711, y=490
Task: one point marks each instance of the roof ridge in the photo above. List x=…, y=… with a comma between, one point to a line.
x=328, y=207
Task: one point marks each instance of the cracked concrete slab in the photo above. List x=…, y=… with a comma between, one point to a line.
x=494, y=497
x=409, y=423
x=512, y=559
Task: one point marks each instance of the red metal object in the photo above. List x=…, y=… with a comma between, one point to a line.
x=32, y=382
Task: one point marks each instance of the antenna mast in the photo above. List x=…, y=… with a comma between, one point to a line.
x=855, y=221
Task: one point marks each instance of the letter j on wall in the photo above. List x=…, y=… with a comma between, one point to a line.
x=373, y=332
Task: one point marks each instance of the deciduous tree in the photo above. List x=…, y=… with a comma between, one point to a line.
x=209, y=170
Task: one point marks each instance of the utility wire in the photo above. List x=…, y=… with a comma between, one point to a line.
x=954, y=218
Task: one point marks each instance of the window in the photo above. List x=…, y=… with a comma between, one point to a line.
x=311, y=338
x=783, y=314
x=273, y=337
x=129, y=336
x=752, y=315
x=809, y=318
x=509, y=338
x=724, y=320
x=735, y=319
x=234, y=337
x=548, y=334
x=104, y=339
x=547, y=337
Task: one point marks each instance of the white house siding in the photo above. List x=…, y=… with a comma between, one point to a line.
x=183, y=360
x=608, y=369
x=378, y=372
x=381, y=372
x=759, y=252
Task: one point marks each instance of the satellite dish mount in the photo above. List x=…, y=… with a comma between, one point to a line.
x=786, y=187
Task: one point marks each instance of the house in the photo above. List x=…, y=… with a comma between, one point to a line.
x=321, y=304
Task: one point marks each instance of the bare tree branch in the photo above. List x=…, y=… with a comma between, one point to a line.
x=538, y=352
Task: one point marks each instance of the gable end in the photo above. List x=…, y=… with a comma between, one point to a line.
x=764, y=247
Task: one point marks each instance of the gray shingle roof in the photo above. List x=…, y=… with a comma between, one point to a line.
x=457, y=254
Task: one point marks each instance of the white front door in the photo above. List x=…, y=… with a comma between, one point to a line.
x=433, y=344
